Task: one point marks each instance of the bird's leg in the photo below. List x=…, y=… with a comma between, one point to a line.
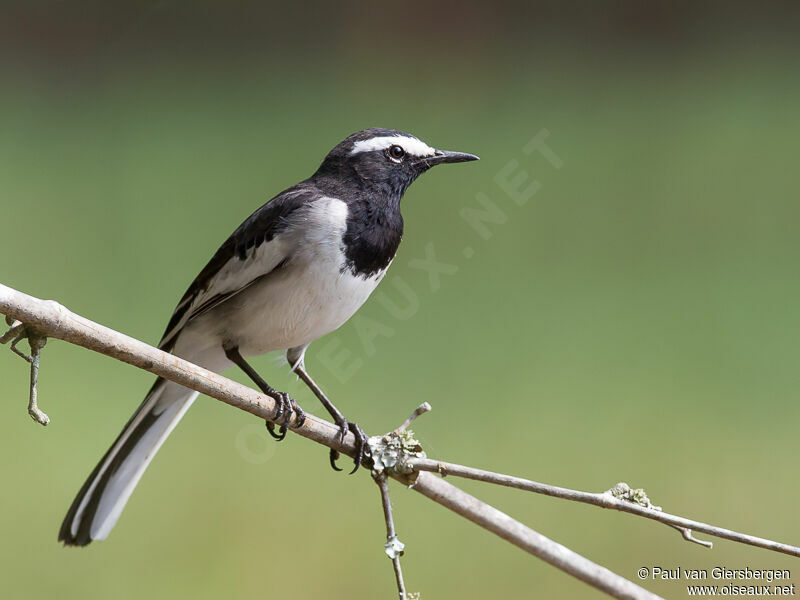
x=285, y=404
x=338, y=417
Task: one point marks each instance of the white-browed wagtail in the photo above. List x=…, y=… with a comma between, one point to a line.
x=295, y=270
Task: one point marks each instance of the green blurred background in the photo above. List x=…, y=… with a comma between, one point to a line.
x=636, y=320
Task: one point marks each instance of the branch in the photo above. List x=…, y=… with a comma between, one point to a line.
x=620, y=497
x=394, y=547
x=420, y=410
x=15, y=335
x=53, y=320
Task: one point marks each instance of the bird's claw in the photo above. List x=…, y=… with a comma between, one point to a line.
x=301, y=415
x=285, y=406
x=271, y=431
x=362, y=449
x=334, y=456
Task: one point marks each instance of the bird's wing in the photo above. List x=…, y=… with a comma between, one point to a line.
x=255, y=249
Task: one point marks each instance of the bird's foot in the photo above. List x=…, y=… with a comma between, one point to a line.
x=362, y=449
x=285, y=406
x=301, y=414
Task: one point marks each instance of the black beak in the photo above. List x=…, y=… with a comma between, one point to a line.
x=446, y=156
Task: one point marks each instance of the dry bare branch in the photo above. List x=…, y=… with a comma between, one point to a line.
x=393, y=546
x=53, y=320
x=615, y=498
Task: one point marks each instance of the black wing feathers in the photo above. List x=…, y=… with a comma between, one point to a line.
x=260, y=227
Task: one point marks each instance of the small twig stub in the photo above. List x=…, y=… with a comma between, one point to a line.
x=420, y=410
x=622, y=491
x=17, y=332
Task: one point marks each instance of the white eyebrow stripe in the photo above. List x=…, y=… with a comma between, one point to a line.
x=411, y=145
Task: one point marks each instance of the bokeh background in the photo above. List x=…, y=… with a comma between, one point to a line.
x=635, y=320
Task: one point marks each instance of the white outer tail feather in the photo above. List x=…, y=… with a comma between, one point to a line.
x=123, y=482
x=95, y=511
x=167, y=402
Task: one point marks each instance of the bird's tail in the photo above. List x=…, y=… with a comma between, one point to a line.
x=101, y=499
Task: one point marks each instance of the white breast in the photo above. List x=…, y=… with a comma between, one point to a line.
x=312, y=295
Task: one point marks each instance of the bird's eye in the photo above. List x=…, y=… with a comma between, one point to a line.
x=396, y=152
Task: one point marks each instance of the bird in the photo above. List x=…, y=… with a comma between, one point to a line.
x=295, y=270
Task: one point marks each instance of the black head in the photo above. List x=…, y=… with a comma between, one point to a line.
x=383, y=161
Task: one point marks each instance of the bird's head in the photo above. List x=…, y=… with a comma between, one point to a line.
x=384, y=161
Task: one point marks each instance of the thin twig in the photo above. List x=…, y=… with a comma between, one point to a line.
x=37, y=342
x=16, y=333
x=393, y=546
x=622, y=491
x=420, y=410
x=15, y=327
x=527, y=539
x=604, y=500
x=687, y=535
